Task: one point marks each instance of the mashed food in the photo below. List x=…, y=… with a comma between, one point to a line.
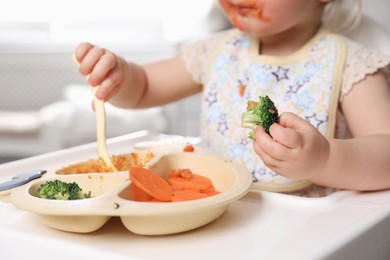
x=122, y=163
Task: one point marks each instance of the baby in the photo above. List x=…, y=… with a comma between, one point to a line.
x=333, y=94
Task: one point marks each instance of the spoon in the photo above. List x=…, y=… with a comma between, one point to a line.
x=21, y=178
x=104, y=158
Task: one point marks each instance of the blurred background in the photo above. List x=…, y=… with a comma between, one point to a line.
x=44, y=101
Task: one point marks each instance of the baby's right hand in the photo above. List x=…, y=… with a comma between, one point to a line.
x=101, y=67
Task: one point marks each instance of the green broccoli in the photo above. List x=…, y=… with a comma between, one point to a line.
x=59, y=190
x=262, y=113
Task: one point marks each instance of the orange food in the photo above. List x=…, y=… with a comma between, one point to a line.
x=139, y=194
x=185, y=173
x=195, y=182
x=181, y=185
x=151, y=183
x=184, y=195
x=210, y=191
x=189, y=148
x=122, y=163
x=247, y=8
x=181, y=192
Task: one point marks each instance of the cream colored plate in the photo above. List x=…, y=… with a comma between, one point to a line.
x=111, y=196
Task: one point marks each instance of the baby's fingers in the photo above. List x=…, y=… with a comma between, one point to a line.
x=289, y=130
x=287, y=137
x=105, y=63
x=269, y=149
x=81, y=50
x=109, y=84
x=261, y=147
x=89, y=63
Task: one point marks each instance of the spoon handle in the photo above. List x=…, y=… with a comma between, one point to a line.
x=104, y=158
x=101, y=125
x=21, y=179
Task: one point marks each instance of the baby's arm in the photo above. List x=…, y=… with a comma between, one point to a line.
x=299, y=151
x=366, y=157
x=130, y=85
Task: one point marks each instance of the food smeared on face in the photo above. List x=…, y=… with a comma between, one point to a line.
x=245, y=8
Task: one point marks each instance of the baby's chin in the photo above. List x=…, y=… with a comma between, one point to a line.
x=251, y=25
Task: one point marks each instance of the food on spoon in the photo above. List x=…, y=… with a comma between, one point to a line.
x=263, y=112
x=60, y=190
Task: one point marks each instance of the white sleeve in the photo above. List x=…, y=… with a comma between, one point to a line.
x=361, y=62
x=196, y=56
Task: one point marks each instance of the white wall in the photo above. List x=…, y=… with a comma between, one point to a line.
x=379, y=10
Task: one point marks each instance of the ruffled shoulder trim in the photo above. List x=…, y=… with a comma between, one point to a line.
x=362, y=61
x=196, y=55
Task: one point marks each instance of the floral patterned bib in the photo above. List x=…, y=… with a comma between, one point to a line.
x=306, y=83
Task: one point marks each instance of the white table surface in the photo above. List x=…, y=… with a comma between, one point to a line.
x=261, y=225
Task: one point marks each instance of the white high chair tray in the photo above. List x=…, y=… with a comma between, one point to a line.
x=261, y=225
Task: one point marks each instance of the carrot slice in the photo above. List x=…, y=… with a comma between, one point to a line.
x=182, y=185
x=151, y=183
x=180, y=192
x=195, y=182
x=187, y=195
x=210, y=191
x=139, y=194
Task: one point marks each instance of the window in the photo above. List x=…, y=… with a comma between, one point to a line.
x=104, y=20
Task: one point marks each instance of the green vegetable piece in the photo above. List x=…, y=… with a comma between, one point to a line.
x=262, y=113
x=59, y=190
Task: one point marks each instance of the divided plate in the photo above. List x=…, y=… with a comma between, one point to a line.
x=112, y=196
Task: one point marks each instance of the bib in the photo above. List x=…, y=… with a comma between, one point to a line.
x=306, y=83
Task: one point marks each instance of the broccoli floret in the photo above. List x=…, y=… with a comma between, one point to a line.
x=59, y=190
x=262, y=113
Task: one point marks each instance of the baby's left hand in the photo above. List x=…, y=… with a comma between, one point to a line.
x=296, y=150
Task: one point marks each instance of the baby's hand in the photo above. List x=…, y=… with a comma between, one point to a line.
x=296, y=150
x=102, y=68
